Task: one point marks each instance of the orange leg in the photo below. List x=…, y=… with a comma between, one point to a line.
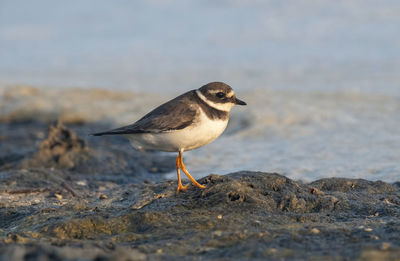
x=178, y=172
x=187, y=172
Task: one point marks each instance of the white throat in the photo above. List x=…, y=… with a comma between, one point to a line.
x=219, y=106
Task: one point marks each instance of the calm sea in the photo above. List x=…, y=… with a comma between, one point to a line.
x=321, y=78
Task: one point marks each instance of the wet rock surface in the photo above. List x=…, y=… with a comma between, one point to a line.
x=65, y=195
x=62, y=148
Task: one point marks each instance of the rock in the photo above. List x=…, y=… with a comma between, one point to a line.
x=71, y=149
x=101, y=202
x=62, y=149
x=315, y=231
x=240, y=215
x=35, y=251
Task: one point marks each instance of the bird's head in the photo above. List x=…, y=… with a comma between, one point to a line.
x=219, y=96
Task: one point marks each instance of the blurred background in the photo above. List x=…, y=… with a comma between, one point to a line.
x=321, y=78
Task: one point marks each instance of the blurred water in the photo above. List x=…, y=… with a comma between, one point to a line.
x=322, y=78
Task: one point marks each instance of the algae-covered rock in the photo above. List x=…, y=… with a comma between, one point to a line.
x=240, y=215
x=72, y=150
x=65, y=195
x=36, y=251
x=62, y=148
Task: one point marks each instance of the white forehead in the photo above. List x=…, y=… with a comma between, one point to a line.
x=230, y=94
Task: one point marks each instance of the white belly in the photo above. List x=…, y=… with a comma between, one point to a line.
x=201, y=133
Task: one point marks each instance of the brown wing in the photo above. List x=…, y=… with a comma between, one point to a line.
x=173, y=115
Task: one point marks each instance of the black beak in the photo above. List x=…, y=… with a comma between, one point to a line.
x=239, y=102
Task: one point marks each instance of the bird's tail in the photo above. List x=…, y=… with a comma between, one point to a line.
x=120, y=131
x=105, y=133
x=98, y=134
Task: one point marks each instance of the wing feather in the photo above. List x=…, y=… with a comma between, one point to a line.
x=173, y=115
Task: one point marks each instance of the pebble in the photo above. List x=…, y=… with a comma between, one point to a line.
x=272, y=251
x=35, y=202
x=315, y=231
x=375, y=237
x=385, y=245
x=81, y=183
x=217, y=233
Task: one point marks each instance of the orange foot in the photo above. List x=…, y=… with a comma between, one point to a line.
x=180, y=165
x=181, y=188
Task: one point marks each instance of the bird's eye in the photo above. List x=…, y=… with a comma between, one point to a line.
x=220, y=94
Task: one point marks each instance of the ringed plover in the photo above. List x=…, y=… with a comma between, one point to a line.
x=187, y=122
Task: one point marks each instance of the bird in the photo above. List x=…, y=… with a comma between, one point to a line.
x=184, y=123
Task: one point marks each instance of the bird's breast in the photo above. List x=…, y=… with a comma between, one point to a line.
x=203, y=131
